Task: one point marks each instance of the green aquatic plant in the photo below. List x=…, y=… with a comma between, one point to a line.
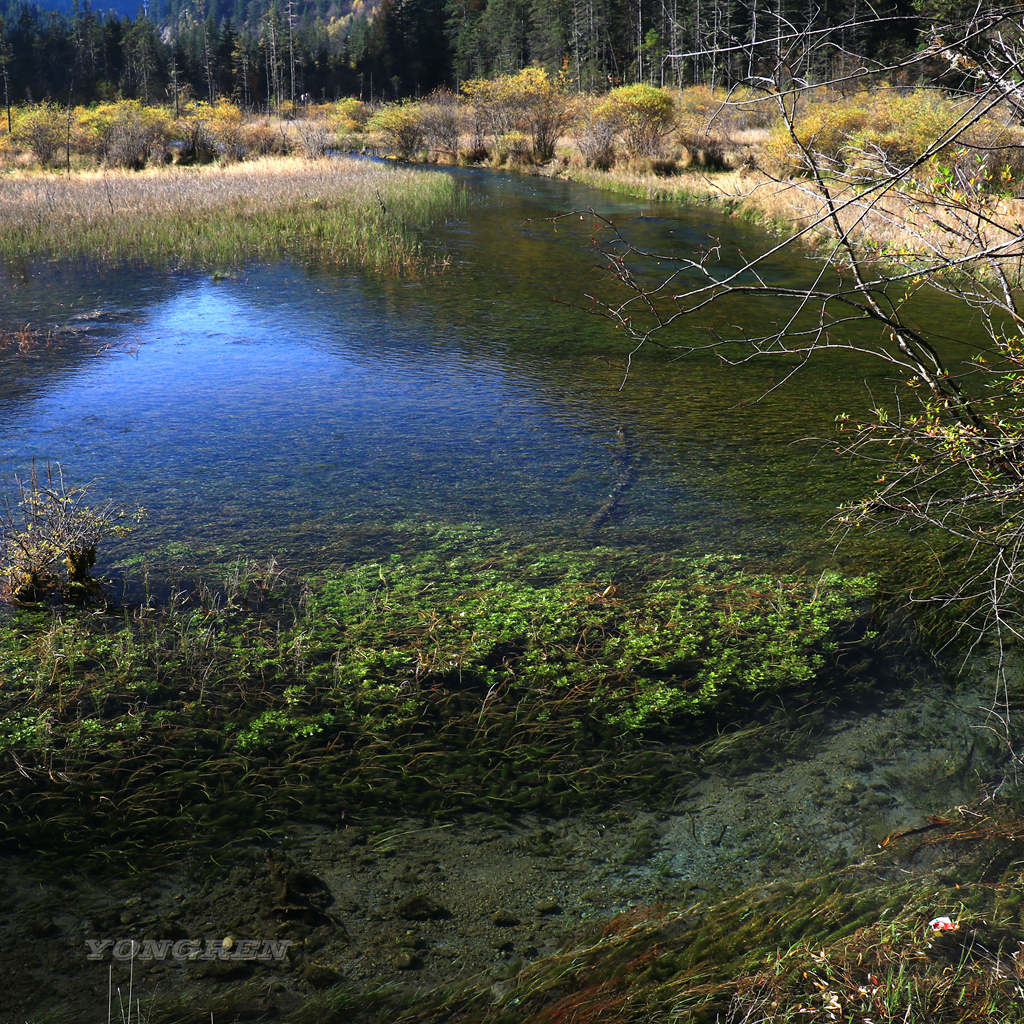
x=645, y=650
x=494, y=675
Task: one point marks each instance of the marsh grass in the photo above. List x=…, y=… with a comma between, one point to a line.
x=341, y=212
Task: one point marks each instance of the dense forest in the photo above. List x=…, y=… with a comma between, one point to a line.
x=263, y=56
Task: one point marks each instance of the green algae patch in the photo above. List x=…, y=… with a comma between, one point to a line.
x=506, y=678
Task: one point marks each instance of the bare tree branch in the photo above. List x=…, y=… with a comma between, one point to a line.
x=949, y=444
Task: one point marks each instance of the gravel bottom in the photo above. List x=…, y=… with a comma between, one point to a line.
x=417, y=905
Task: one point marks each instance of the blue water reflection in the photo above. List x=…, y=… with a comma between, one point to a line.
x=280, y=409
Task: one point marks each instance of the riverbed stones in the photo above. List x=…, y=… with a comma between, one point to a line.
x=409, y=940
x=406, y=960
x=222, y=970
x=320, y=975
x=421, y=907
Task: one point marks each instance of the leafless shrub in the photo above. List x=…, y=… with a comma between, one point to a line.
x=198, y=145
x=595, y=133
x=230, y=142
x=129, y=143
x=49, y=536
x=261, y=138
x=314, y=138
x=439, y=116
x=473, y=124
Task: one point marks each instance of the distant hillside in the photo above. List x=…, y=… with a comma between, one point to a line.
x=248, y=13
x=119, y=8
x=168, y=13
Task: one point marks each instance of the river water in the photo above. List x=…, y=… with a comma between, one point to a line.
x=281, y=410
x=315, y=415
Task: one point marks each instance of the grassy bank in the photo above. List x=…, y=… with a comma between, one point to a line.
x=338, y=212
x=953, y=192
x=904, y=228
x=694, y=144
x=505, y=679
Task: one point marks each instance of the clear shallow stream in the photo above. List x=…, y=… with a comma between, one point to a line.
x=323, y=417
x=292, y=411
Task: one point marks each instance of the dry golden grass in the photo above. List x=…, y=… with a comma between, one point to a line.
x=341, y=211
x=913, y=226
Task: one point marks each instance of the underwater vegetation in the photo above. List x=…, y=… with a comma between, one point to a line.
x=508, y=677
x=927, y=929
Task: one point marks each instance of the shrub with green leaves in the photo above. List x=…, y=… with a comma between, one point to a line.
x=530, y=102
x=511, y=148
x=644, y=116
x=401, y=125
x=349, y=115
x=884, y=129
x=41, y=129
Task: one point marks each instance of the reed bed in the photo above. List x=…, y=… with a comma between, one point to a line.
x=342, y=212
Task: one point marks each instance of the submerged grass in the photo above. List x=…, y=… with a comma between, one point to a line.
x=503, y=680
x=26, y=341
x=854, y=945
x=336, y=211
